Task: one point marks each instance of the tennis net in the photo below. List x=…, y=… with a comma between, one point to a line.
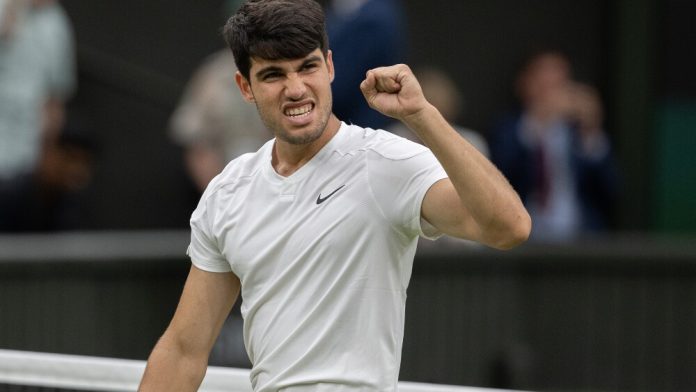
x=31, y=371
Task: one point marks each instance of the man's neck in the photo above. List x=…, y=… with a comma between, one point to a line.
x=288, y=158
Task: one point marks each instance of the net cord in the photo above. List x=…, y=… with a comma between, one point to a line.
x=123, y=375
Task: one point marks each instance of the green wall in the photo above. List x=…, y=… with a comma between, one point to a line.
x=675, y=168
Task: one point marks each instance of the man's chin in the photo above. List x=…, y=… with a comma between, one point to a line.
x=304, y=136
x=299, y=140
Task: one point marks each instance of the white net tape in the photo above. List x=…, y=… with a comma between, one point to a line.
x=110, y=374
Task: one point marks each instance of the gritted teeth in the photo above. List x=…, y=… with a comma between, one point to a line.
x=300, y=111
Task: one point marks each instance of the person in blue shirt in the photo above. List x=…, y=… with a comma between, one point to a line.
x=364, y=34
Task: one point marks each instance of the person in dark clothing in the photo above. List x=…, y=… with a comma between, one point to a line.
x=555, y=152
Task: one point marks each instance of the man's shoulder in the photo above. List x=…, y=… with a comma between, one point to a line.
x=237, y=171
x=382, y=143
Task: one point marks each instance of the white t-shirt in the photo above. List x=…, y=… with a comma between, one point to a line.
x=324, y=257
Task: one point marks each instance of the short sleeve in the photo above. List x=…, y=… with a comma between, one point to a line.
x=400, y=173
x=203, y=249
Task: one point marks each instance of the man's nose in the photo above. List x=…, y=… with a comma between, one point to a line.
x=295, y=87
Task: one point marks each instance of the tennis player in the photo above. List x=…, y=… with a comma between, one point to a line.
x=318, y=228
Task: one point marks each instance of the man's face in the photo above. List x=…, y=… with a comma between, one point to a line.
x=293, y=97
x=545, y=78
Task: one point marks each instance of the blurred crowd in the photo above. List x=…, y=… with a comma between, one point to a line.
x=552, y=146
x=45, y=155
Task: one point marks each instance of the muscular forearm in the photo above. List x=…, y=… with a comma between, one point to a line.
x=482, y=206
x=169, y=369
x=483, y=191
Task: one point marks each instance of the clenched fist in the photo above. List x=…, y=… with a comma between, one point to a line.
x=394, y=91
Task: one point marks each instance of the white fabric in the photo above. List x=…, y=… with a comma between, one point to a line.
x=112, y=374
x=323, y=284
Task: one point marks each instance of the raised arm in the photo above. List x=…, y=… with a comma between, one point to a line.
x=180, y=358
x=476, y=202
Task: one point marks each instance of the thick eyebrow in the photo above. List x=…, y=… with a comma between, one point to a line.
x=267, y=70
x=311, y=59
x=274, y=68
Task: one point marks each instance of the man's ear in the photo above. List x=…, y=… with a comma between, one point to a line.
x=329, y=65
x=244, y=87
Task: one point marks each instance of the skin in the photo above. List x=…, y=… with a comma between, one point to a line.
x=277, y=86
x=179, y=360
x=203, y=164
x=476, y=202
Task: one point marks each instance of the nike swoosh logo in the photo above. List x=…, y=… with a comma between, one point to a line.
x=321, y=200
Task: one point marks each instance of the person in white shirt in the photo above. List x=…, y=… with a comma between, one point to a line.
x=319, y=227
x=37, y=77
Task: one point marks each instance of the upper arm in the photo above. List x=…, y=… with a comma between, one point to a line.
x=206, y=301
x=443, y=209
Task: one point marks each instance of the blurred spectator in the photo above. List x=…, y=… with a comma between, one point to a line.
x=37, y=74
x=213, y=123
x=47, y=198
x=555, y=152
x=363, y=34
x=442, y=92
